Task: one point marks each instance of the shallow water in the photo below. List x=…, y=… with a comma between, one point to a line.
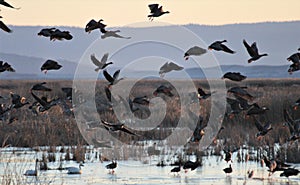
x=135, y=172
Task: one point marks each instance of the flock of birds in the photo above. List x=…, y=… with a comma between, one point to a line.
x=240, y=102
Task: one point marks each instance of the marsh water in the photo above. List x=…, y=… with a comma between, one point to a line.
x=131, y=171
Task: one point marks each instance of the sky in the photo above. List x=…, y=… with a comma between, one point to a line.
x=122, y=12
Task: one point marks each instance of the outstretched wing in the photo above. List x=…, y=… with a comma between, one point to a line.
x=226, y=49
x=201, y=92
x=258, y=125
x=42, y=102
x=108, y=77
x=125, y=129
x=174, y=66
x=254, y=48
x=95, y=60
x=4, y=27
x=249, y=49
x=116, y=74
x=153, y=7
x=104, y=58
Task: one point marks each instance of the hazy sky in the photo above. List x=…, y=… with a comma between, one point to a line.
x=122, y=12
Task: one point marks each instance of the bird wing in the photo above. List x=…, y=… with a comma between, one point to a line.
x=116, y=74
x=125, y=129
x=4, y=27
x=91, y=23
x=104, y=58
x=201, y=92
x=42, y=102
x=6, y=4
x=153, y=7
x=108, y=76
x=258, y=124
x=249, y=49
x=226, y=49
x=174, y=66
x=163, y=67
x=290, y=122
x=106, y=124
x=254, y=48
x=95, y=60
x=108, y=93
x=267, y=126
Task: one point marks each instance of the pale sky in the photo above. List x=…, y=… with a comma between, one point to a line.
x=123, y=12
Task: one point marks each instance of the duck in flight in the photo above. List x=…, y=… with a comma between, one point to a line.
x=4, y=27
x=156, y=11
x=253, y=51
x=219, y=46
x=100, y=64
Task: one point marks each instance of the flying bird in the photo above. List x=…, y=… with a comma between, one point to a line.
x=262, y=129
x=293, y=68
x=112, y=79
x=100, y=64
x=4, y=27
x=256, y=109
x=50, y=65
x=4, y=3
x=113, y=34
x=156, y=11
x=163, y=90
x=168, y=67
x=219, y=46
x=117, y=127
x=93, y=25
x=240, y=92
x=253, y=51
x=45, y=104
x=60, y=35
x=17, y=101
x=46, y=32
x=196, y=51
x=294, y=58
x=40, y=87
x=234, y=76
x=202, y=94
x=4, y=66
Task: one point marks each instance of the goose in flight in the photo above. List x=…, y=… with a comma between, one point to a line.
x=168, y=67
x=293, y=68
x=112, y=79
x=50, y=65
x=256, y=109
x=4, y=66
x=253, y=51
x=4, y=27
x=46, y=32
x=32, y=172
x=4, y=3
x=196, y=51
x=219, y=46
x=93, y=25
x=74, y=170
x=262, y=129
x=40, y=87
x=156, y=11
x=117, y=127
x=17, y=101
x=113, y=34
x=45, y=104
x=60, y=35
x=234, y=76
x=100, y=64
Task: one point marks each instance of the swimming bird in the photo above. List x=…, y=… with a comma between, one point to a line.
x=32, y=172
x=4, y=27
x=234, y=76
x=17, y=101
x=4, y=3
x=228, y=170
x=100, y=64
x=219, y=46
x=46, y=32
x=190, y=165
x=40, y=87
x=253, y=51
x=168, y=67
x=112, y=79
x=262, y=130
x=290, y=172
x=111, y=166
x=293, y=125
x=45, y=104
x=156, y=11
x=256, y=109
x=75, y=170
x=196, y=51
x=60, y=35
x=116, y=127
x=93, y=25
x=113, y=34
x=163, y=90
x=50, y=65
x=4, y=66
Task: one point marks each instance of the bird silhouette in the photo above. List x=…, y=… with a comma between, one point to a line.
x=4, y=27
x=196, y=51
x=100, y=64
x=253, y=51
x=112, y=79
x=156, y=11
x=50, y=65
x=234, y=76
x=219, y=46
x=4, y=3
x=93, y=25
x=4, y=66
x=46, y=32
